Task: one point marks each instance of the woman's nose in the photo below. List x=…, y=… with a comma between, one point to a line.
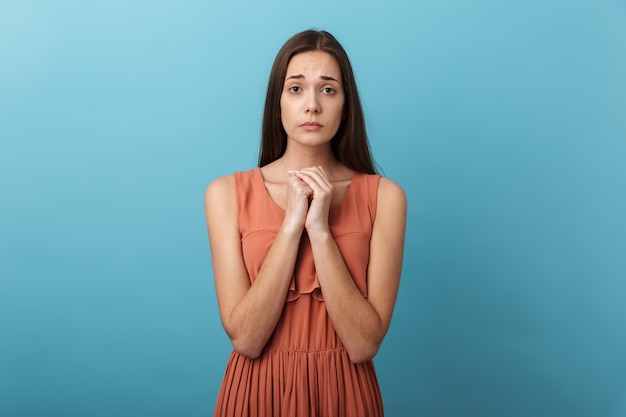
x=312, y=105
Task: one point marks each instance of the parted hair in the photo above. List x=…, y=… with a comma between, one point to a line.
x=350, y=144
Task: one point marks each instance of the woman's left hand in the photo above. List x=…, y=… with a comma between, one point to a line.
x=317, y=216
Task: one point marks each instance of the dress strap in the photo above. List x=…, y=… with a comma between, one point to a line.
x=373, y=182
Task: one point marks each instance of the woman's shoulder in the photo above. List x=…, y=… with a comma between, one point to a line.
x=221, y=186
x=225, y=188
x=391, y=206
x=226, y=183
x=391, y=192
x=385, y=186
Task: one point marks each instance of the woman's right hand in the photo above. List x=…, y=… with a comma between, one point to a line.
x=297, y=202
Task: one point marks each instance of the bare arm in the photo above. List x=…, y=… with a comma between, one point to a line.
x=361, y=323
x=250, y=313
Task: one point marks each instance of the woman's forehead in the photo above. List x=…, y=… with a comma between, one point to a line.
x=313, y=64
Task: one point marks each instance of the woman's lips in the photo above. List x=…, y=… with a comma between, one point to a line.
x=311, y=126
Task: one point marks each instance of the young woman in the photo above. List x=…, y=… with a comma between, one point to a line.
x=307, y=248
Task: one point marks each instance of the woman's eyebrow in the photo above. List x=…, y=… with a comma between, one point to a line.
x=301, y=77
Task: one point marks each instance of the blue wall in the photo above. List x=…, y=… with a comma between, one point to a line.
x=504, y=121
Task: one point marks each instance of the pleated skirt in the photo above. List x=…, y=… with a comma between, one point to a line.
x=304, y=371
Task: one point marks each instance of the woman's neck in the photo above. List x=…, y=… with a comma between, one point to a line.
x=298, y=157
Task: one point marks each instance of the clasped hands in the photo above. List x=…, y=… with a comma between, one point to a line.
x=309, y=195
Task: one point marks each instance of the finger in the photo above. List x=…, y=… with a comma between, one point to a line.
x=297, y=185
x=318, y=173
x=314, y=179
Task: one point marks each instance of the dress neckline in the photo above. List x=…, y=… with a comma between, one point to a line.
x=275, y=204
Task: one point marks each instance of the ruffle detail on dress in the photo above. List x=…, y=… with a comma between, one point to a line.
x=304, y=280
x=313, y=288
x=352, y=246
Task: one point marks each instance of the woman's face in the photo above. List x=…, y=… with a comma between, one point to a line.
x=312, y=100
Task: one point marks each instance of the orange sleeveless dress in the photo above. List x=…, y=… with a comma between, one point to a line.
x=304, y=369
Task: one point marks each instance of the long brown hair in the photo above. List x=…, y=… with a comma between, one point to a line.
x=349, y=145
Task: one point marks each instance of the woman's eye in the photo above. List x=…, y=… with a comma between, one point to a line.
x=328, y=90
x=295, y=89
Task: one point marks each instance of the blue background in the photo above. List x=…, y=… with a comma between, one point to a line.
x=505, y=122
